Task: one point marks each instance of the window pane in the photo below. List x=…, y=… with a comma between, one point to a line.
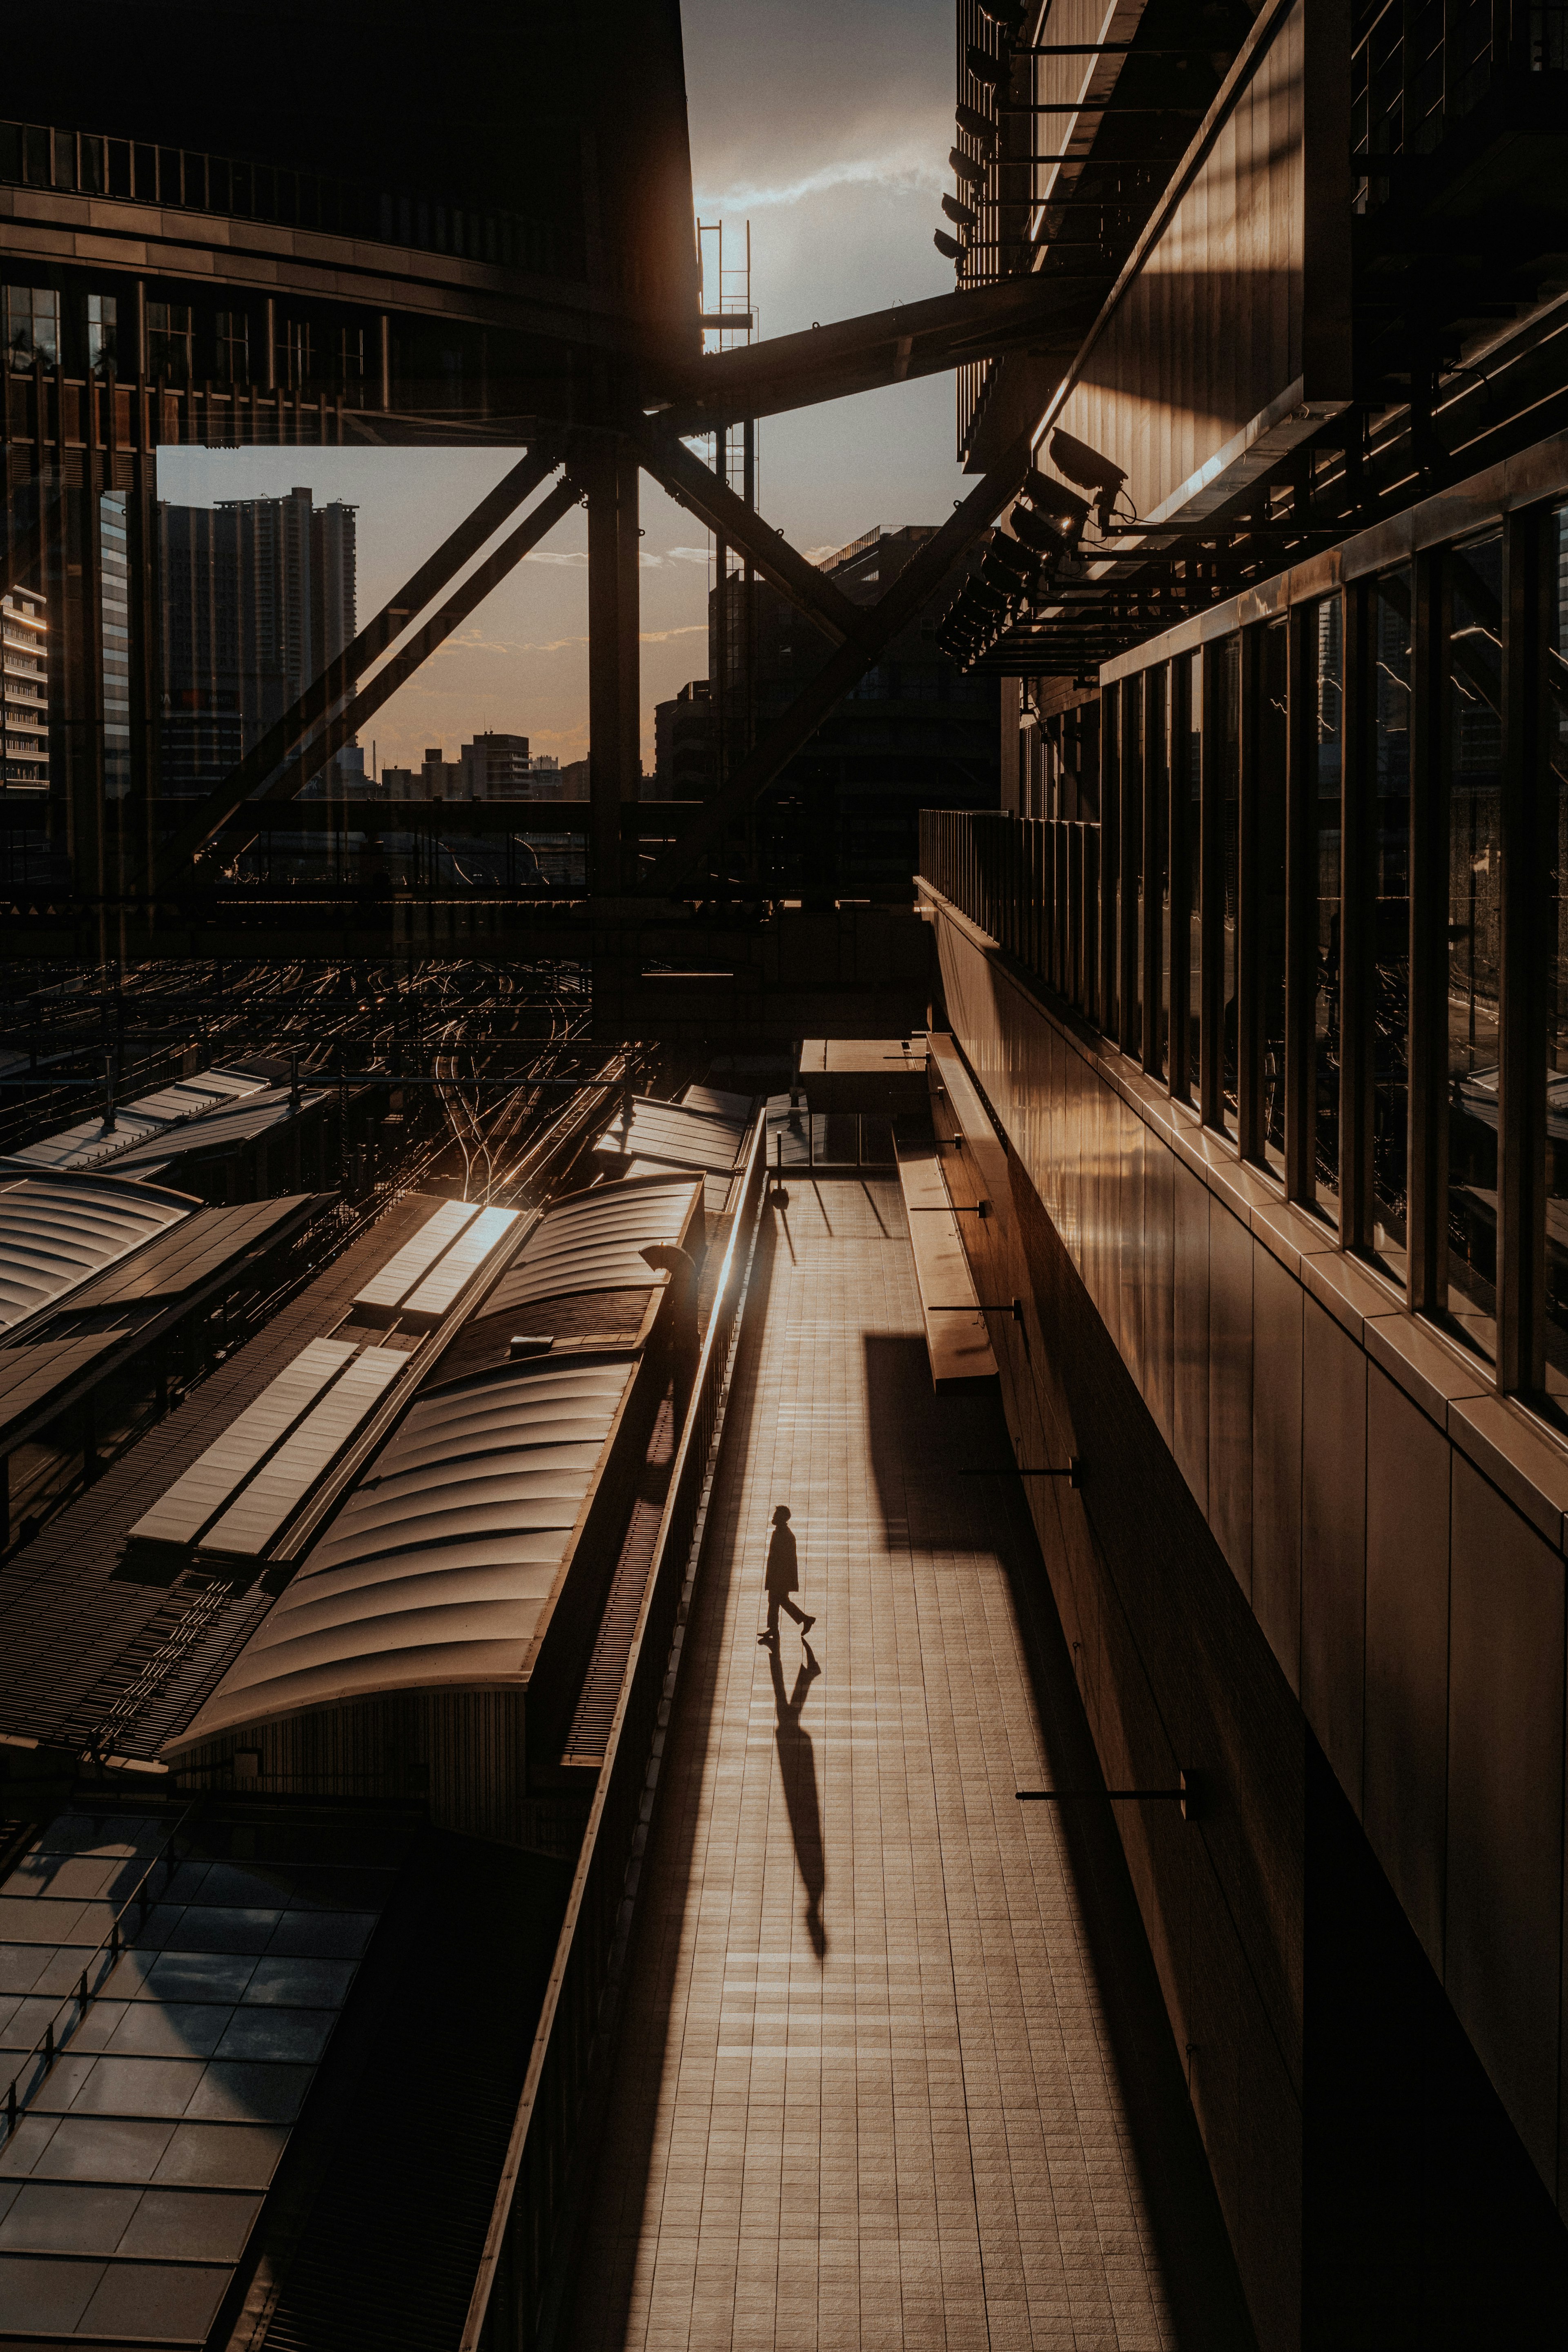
x=1109, y=880
x=1193, y=851
x=1475, y=921
x=1273, y=736
x=1555, y=1272
x=1157, y=859
x=1132, y=857
x=1327, y=659
x=1390, y=916
x=1228, y=682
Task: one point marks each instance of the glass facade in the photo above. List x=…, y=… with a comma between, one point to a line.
x=1325, y=654
x=1273, y=836
x=1474, y=728
x=1354, y=827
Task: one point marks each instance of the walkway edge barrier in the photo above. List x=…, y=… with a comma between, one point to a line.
x=521, y=2284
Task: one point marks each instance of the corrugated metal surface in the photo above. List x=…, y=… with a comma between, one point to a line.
x=593, y=1241
x=402, y=1272
x=1237, y=317
x=442, y=1568
x=196, y=1250
x=90, y=1144
x=452, y=1274
x=179, y=1516
x=281, y=1484
x=738, y=1107
x=58, y=1231
x=667, y=1134
x=221, y=1130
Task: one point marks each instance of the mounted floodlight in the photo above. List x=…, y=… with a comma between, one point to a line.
x=957, y=211
x=992, y=71
x=1081, y=464
x=1043, y=534
x=948, y=246
x=1012, y=556
x=966, y=168
x=983, y=133
x=1054, y=501
x=1007, y=16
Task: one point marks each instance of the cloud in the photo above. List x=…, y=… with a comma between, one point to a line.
x=662, y=636
x=689, y=554
x=902, y=172
x=552, y=555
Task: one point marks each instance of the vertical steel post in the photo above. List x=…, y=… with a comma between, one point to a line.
x=615, y=764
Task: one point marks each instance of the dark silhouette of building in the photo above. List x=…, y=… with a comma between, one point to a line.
x=683, y=744
x=257, y=595
x=913, y=732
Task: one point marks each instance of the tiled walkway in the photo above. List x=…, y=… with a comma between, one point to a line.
x=866, y=2095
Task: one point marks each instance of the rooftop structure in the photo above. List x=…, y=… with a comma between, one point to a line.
x=833, y=1615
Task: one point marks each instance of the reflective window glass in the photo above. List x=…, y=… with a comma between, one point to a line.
x=1227, y=666
x=1157, y=855
x=1273, y=739
x=1133, y=858
x=1192, y=852
x=1390, y=942
x=1326, y=661
x=1475, y=934
x=1554, y=1274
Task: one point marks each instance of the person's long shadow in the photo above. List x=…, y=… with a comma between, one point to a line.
x=797, y=1764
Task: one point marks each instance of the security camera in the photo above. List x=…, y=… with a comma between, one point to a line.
x=1083, y=465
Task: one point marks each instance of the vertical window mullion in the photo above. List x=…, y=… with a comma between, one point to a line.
x=1300, y=915
x=1428, y=936
x=1249, y=1026
x=1110, y=863
x=1182, y=852
x=1156, y=868
x=1526, y=853
x=1211, y=837
x=1131, y=767
x=1355, y=931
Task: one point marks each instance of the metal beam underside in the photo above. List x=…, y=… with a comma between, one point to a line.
x=1049, y=313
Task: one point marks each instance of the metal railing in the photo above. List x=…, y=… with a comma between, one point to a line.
x=83, y=162
x=33, y=2070
x=1032, y=883
x=553, y=2142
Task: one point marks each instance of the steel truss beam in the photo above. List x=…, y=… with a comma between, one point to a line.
x=1044, y=312
x=882, y=621
x=697, y=487
x=339, y=676
x=403, y=664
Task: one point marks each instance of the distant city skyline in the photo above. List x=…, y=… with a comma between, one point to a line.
x=828, y=127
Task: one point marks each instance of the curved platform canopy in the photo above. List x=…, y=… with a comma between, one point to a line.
x=594, y=1241
x=57, y=1231
x=671, y=1135
x=91, y=1143
x=443, y=1569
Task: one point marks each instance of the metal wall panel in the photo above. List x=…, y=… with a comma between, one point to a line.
x=1230, y=337
x=1192, y=1326
x=1276, y=1300
x=1504, y=1942
x=1405, y=1766
x=1333, y=1540
x=1230, y=1390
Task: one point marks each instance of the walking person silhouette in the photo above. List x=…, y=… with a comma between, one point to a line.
x=782, y=1578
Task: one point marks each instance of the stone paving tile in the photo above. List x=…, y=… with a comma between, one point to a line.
x=867, y=2096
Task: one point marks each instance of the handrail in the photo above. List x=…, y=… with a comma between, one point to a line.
x=91, y=163
x=50, y=2044
x=533, y=2196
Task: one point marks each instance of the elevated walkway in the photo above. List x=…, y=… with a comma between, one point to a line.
x=893, y=2069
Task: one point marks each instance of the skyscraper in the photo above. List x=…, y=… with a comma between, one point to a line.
x=23, y=658
x=257, y=595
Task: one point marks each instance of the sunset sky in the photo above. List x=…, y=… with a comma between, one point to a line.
x=826, y=124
